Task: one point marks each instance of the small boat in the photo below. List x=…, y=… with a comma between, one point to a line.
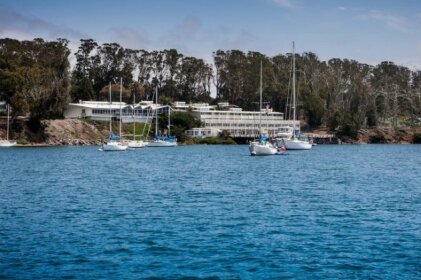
x=160, y=140
x=114, y=142
x=294, y=142
x=7, y=143
x=261, y=146
x=297, y=144
x=113, y=145
x=283, y=133
x=134, y=144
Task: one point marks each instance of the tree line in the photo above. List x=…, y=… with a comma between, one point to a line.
x=340, y=94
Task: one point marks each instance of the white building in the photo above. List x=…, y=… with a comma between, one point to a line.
x=214, y=119
x=202, y=132
x=142, y=112
x=237, y=122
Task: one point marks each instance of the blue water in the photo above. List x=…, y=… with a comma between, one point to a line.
x=339, y=212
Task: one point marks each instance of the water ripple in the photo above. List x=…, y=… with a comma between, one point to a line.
x=211, y=212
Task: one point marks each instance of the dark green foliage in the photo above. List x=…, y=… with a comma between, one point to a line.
x=213, y=141
x=343, y=95
x=34, y=76
x=82, y=90
x=207, y=141
x=180, y=122
x=417, y=138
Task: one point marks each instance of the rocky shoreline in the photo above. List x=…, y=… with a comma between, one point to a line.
x=386, y=135
x=76, y=132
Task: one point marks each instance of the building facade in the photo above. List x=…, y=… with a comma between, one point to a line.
x=214, y=118
x=143, y=112
x=237, y=122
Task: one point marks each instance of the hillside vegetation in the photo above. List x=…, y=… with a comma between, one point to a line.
x=340, y=95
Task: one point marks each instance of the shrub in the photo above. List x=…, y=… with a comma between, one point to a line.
x=417, y=138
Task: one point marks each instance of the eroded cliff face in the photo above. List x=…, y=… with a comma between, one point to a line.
x=386, y=136
x=381, y=135
x=81, y=132
x=71, y=132
x=54, y=132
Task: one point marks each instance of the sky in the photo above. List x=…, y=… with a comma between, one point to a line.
x=369, y=31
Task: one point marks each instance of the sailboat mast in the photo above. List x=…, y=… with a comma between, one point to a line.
x=121, y=92
x=156, y=111
x=8, y=112
x=134, y=123
x=111, y=129
x=294, y=102
x=169, y=120
x=260, y=104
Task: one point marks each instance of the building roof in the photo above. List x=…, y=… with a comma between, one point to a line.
x=115, y=105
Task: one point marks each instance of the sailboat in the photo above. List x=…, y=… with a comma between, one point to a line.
x=135, y=143
x=294, y=143
x=261, y=146
x=161, y=140
x=114, y=142
x=7, y=142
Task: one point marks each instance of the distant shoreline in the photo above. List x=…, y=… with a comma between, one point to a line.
x=77, y=132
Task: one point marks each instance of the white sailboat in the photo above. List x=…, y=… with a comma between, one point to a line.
x=7, y=142
x=294, y=143
x=261, y=146
x=114, y=142
x=135, y=143
x=160, y=140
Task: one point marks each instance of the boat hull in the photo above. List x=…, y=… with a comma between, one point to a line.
x=114, y=147
x=137, y=144
x=7, y=143
x=259, y=149
x=295, y=144
x=161, y=143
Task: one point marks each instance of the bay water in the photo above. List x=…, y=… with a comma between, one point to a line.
x=334, y=212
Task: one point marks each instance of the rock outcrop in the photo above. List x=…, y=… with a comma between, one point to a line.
x=71, y=132
x=385, y=135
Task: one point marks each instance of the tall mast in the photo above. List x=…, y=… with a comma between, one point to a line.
x=156, y=111
x=111, y=129
x=134, y=123
x=121, y=92
x=169, y=120
x=260, y=106
x=293, y=87
x=8, y=111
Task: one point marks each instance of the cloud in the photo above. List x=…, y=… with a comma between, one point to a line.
x=183, y=36
x=393, y=21
x=130, y=38
x=187, y=29
x=340, y=8
x=284, y=3
x=24, y=27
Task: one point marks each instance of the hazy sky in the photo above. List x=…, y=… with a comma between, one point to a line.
x=369, y=31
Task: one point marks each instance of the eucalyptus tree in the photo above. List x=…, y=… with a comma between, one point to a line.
x=392, y=86
x=416, y=94
x=35, y=76
x=85, y=72
x=172, y=64
x=229, y=66
x=194, y=80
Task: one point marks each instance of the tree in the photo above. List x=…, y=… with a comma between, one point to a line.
x=36, y=76
x=85, y=76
